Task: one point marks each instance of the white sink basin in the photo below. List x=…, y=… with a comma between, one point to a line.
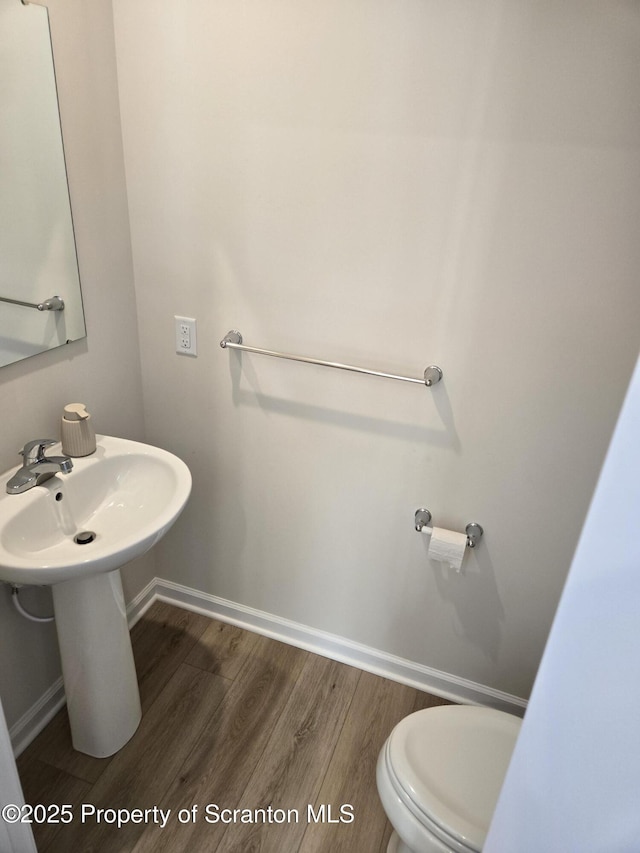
x=74, y=532
x=126, y=493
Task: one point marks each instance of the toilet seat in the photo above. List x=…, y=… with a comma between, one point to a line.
x=408, y=819
x=447, y=765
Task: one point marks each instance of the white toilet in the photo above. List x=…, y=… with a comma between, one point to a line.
x=439, y=775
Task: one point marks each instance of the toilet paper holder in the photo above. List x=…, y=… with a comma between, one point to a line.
x=473, y=530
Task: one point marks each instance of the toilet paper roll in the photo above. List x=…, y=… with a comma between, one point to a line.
x=448, y=547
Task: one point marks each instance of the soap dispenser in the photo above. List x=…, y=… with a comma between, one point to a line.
x=78, y=437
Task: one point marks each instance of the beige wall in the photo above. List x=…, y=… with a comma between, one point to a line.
x=391, y=184
x=104, y=369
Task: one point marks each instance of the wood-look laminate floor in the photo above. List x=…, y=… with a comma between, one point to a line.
x=231, y=720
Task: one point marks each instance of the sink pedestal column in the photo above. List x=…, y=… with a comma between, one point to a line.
x=99, y=674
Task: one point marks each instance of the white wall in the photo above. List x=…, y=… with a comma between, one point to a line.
x=104, y=369
x=391, y=184
x=574, y=777
x=388, y=184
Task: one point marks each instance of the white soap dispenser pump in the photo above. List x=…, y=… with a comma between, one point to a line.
x=78, y=436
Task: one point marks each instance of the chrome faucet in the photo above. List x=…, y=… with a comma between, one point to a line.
x=36, y=467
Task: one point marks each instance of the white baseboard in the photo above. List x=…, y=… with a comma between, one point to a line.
x=319, y=642
x=36, y=718
x=328, y=645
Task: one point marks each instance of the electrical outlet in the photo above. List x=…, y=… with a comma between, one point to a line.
x=186, y=338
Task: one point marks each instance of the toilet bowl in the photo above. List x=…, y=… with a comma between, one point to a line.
x=439, y=775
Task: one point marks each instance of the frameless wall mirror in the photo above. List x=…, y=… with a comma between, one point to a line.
x=40, y=298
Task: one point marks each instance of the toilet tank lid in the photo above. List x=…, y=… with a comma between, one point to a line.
x=451, y=761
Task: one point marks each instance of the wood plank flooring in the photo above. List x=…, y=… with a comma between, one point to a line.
x=231, y=721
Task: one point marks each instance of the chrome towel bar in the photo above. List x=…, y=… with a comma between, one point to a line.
x=53, y=303
x=233, y=340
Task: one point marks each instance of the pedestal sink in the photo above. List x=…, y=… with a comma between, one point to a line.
x=74, y=533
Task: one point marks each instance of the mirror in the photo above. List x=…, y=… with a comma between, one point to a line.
x=40, y=298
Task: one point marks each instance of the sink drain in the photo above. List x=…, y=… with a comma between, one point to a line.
x=84, y=537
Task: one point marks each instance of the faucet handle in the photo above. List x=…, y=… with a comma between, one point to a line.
x=38, y=445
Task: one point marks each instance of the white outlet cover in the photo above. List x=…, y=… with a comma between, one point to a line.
x=186, y=335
